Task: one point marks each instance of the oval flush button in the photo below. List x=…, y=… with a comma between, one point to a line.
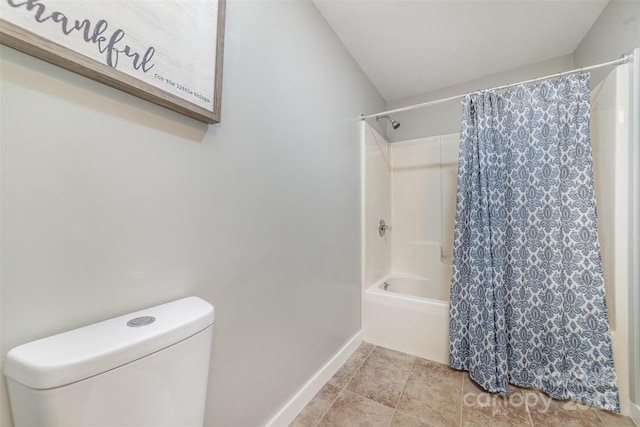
x=141, y=321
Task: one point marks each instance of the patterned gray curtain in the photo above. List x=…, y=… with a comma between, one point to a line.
x=527, y=293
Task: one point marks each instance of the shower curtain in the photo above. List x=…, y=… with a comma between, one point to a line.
x=527, y=292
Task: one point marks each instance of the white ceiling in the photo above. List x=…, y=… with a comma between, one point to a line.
x=409, y=47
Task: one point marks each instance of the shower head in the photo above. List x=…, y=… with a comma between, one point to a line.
x=394, y=123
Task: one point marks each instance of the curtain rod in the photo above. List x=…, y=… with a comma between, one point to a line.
x=622, y=60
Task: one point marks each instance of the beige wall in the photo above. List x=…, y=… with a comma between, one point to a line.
x=112, y=204
x=445, y=118
x=615, y=32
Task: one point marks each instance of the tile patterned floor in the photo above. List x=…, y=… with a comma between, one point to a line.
x=386, y=388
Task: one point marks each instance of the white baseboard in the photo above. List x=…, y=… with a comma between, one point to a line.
x=292, y=408
x=634, y=413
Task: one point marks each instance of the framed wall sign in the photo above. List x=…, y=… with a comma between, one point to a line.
x=166, y=51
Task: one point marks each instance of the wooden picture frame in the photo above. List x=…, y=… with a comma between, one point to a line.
x=165, y=51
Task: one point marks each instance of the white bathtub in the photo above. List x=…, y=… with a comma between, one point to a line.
x=414, y=287
x=411, y=316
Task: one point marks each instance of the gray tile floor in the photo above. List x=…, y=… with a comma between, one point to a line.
x=382, y=387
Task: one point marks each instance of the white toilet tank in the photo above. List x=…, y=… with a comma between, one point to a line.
x=148, y=368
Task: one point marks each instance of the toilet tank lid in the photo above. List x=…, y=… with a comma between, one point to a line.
x=91, y=350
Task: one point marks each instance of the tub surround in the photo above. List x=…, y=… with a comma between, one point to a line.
x=422, y=174
x=406, y=183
